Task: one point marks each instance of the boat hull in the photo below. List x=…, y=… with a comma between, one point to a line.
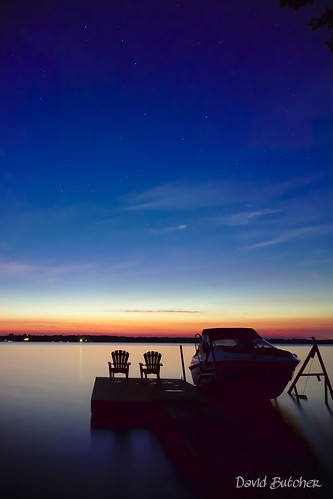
x=267, y=380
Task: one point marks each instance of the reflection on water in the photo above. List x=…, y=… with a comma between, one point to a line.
x=137, y=464
x=49, y=450
x=47, y=446
x=311, y=417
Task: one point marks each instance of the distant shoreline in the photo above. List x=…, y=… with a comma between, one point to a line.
x=86, y=338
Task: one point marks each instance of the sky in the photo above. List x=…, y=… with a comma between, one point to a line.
x=165, y=166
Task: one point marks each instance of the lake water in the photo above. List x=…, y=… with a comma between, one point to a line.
x=49, y=450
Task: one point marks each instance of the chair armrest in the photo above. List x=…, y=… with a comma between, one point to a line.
x=161, y=364
x=140, y=363
x=128, y=363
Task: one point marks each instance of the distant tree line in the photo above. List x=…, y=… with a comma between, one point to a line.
x=59, y=338
x=72, y=338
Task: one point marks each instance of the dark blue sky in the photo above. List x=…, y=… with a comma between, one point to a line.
x=161, y=159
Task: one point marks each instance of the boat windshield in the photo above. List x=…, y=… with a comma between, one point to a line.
x=225, y=342
x=242, y=343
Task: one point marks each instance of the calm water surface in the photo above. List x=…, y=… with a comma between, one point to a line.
x=49, y=450
x=311, y=417
x=47, y=446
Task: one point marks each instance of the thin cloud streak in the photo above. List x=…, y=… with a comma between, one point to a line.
x=154, y=311
x=292, y=234
x=181, y=196
x=46, y=272
x=162, y=230
x=245, y=218
x=42, y=273
x=178, y=195
x=174, y=196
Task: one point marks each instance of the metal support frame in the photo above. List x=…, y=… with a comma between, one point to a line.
x=327, y=384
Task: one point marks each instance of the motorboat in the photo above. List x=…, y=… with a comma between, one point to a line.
x=239, y=358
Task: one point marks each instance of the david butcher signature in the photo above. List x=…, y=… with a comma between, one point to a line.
x=277, y=483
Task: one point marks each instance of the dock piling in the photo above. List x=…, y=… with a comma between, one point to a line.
x=182, y=357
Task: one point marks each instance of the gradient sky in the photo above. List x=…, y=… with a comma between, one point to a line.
x=165, y=166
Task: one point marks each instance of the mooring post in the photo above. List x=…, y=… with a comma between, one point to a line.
x=182, y=357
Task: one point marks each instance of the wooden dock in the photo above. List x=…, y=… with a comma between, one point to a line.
x=140, y=404
x=211, y=441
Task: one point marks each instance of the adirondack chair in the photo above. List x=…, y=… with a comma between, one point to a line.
x=119, y=364
x=152, y=364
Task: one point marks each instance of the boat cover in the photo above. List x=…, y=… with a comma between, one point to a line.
x=239, y=333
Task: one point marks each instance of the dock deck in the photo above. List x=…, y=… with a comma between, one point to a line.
x=138, y=403
x=138, y=390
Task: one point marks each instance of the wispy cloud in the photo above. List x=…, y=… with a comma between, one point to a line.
x=49, y=273
x=193, y=196
x=161, y=230
x=17, y=269
x=167, y=311
x=247, y=217
x=293, y=234
x=319, y=261
x=176, y=195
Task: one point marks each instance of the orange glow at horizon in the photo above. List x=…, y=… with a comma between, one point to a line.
x=139, y=325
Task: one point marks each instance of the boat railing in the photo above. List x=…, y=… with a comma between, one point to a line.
x=213, y=372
